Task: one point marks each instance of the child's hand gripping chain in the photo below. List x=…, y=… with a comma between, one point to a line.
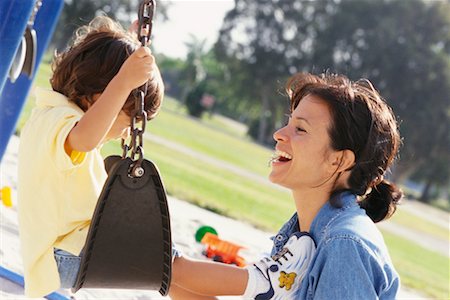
x=137, y=69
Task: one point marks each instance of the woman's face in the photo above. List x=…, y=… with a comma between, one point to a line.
x=303, y=147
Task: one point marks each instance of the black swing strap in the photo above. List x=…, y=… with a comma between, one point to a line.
x=129, y=241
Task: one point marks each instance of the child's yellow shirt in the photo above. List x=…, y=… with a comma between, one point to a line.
x=57, y=193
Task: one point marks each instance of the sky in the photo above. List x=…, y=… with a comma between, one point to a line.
x=200, y=18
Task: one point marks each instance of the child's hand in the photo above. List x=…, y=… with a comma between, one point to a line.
x=137, y=69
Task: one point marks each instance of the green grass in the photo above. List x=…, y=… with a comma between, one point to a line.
x=213, y=121
x=419, y=224
x=207, y=139
x=419, y=268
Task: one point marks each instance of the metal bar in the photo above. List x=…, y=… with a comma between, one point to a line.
x=13, y=95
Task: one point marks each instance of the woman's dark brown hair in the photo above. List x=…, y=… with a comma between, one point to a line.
x=363, y=123
x=98, y=51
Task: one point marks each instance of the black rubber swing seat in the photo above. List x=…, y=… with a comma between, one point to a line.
x=129, y=241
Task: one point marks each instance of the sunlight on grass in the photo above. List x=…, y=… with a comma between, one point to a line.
x=419, y=224
x=419, y=268
x=214, y=121
x=220, y=145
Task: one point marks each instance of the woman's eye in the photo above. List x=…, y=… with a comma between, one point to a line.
x=299, y=129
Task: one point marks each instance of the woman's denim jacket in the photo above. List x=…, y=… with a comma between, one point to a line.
x=351, y=262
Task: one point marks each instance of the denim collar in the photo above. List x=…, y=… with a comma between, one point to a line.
x=327, y=213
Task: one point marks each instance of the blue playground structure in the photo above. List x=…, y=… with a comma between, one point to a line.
x=14, y=19
x=22, y=23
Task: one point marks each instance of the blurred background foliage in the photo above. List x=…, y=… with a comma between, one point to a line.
x=402, y=46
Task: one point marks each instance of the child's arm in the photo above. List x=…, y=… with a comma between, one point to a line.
x=92, y=128
x=279, y=275
x=209, y=278
x=178, y=293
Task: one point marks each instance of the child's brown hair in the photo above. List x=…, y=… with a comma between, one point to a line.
x=98, y=51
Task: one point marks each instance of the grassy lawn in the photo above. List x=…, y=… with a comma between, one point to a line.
x=419, y=224
x=419, y=268
x=263, y=206
x=220, y=144
x=213, y=121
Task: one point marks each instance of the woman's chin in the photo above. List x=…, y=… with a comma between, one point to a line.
x=275, y=178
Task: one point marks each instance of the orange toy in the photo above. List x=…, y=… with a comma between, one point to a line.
x=222, y=251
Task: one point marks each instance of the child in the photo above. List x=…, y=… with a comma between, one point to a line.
x=61, y=171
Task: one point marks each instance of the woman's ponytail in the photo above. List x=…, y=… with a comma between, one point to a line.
x=381, y=202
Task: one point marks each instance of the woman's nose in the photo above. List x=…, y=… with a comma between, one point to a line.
x=280, y=135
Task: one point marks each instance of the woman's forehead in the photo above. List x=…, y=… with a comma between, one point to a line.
x=313, y=109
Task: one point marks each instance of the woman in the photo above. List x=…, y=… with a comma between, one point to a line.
x=340, y=140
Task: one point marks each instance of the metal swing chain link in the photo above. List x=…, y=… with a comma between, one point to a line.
x=145, y=18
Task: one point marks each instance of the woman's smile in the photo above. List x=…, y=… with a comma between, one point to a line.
x=280, y=157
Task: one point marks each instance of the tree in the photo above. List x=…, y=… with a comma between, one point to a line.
x=403, y=47
x=171, y=69
x=194, y=98
x=193, y=71
x=79, y=12
x=266, y=57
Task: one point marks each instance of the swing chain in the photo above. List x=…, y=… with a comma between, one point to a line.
x=145, y=19
x=137, y=134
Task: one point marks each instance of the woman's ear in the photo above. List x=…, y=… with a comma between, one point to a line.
x=342, y=160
